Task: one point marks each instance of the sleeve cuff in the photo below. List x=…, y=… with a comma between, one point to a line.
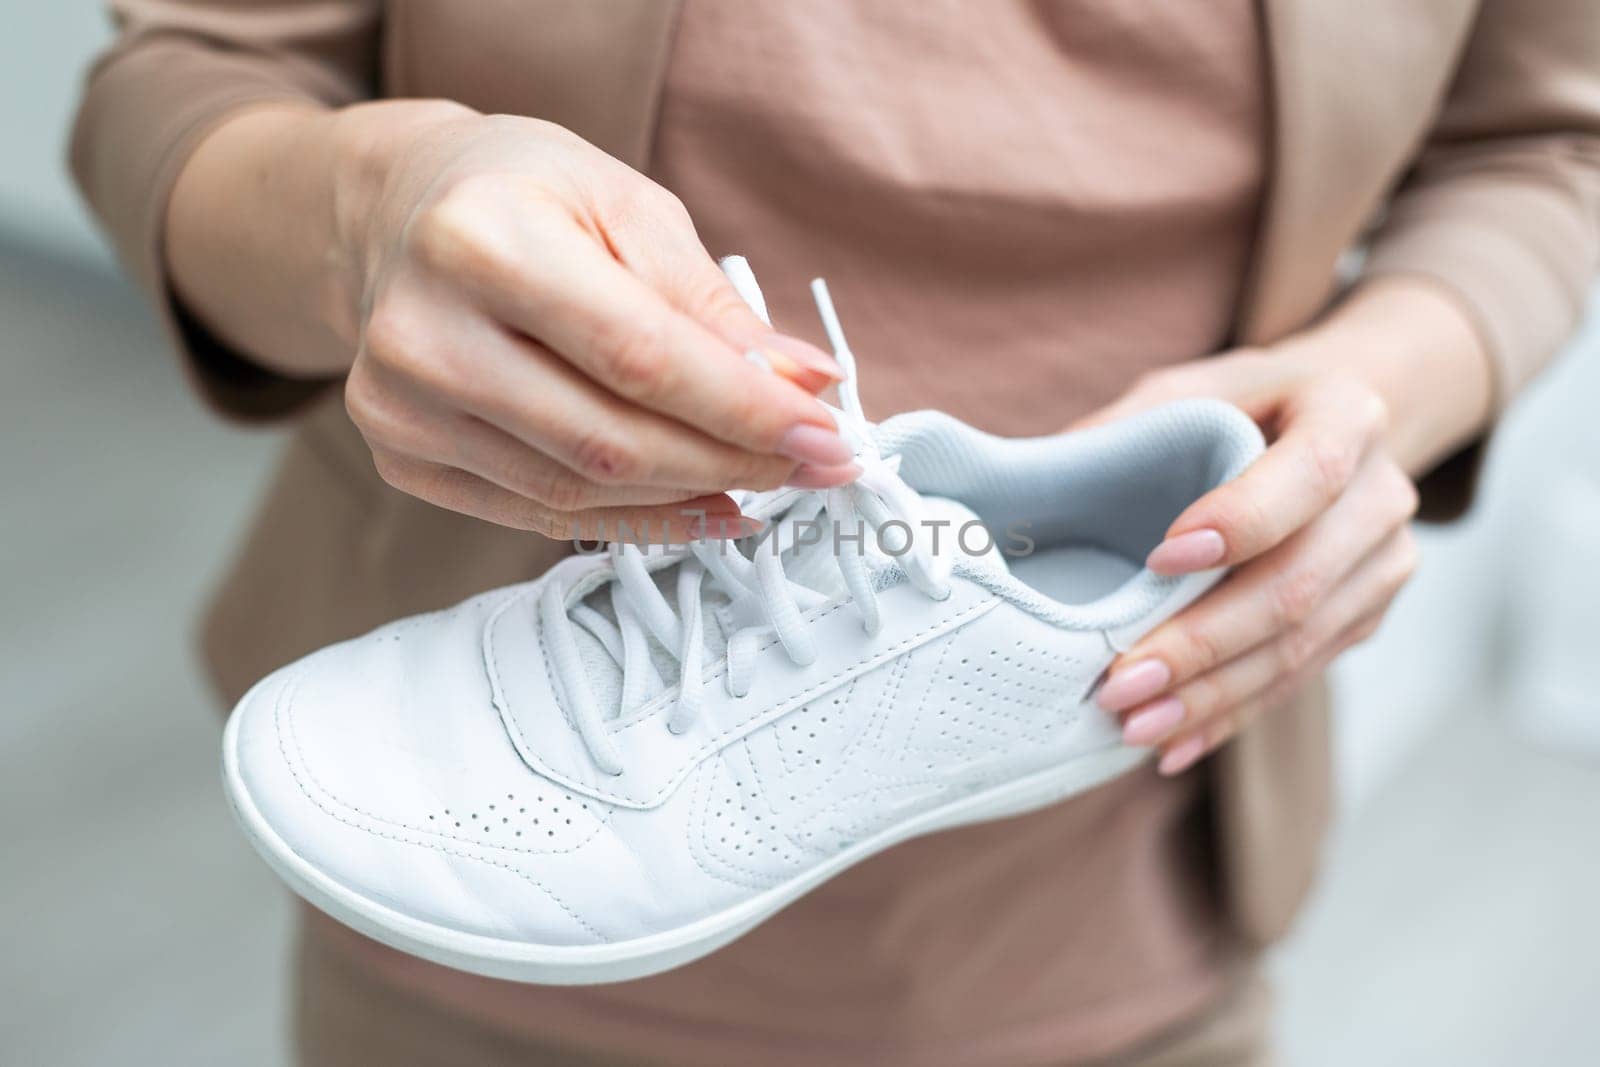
x=144, y=115
x=1499, y=242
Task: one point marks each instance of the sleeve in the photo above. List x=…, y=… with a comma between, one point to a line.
x=1501, y=208
x=176, y=69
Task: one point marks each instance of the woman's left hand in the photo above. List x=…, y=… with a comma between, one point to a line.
x=1316, y=531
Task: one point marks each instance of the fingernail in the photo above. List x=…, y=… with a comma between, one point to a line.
x=724, y=527
x=808, y=476
x=1182, y=756
x=815, y=446
x=1133, y=685
x=1153, y=722
x=1192, y=551
x=787, y=354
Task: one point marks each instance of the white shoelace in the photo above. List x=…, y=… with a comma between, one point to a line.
x=756, y=585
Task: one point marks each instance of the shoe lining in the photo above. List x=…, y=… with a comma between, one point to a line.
x=1098, y=500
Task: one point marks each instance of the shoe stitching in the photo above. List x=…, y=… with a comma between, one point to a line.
x=788, y=769
x=761, y=787
x=780, y=827
x=699, y=795
x=791, y=764
x=922, y=705
x=717, y=740
x=301, y=784
x=777, y=738
x=556, y=694
x=879, y=713
x=514, y=726
x=897, y=679
x=288, y=720
x=759, y=835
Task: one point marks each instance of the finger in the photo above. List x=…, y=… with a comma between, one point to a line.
x=1186, y=749
x=456, y=490
x=612, y=441
x=1271, y=595
x=472, y=445
x=1348, y=616
x=650, y=232
x=578, y=301
x=1330, y=430
x=528, y=392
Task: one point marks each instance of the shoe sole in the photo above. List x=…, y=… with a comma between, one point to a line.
x=619, y=961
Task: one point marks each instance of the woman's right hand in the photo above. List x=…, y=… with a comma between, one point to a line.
x=538, y=337
x=545, y=344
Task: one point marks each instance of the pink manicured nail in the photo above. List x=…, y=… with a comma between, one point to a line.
x=1181, y=756
x=1153, y=722
x=815, y=446
x=1133, y=685
x=1193, y=551
x=780, y=347
x=807, y=476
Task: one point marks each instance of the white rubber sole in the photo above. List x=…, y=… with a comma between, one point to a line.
x=587, y=964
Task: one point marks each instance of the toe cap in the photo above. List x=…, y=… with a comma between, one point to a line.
x=354, y=806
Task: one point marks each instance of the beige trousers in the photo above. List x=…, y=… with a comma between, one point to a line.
x=345, y=1016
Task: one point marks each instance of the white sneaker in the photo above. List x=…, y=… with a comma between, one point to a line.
x=526, y=786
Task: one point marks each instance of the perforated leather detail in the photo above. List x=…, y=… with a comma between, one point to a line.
x=530, y=816
x=545, y=817
x=986, y=700
x=935, y=724
x=815, y=732
x=736, y=836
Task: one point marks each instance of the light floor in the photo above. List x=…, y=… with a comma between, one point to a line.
x=1459, y=922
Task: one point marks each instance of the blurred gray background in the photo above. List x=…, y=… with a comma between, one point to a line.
x=1457, y=922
